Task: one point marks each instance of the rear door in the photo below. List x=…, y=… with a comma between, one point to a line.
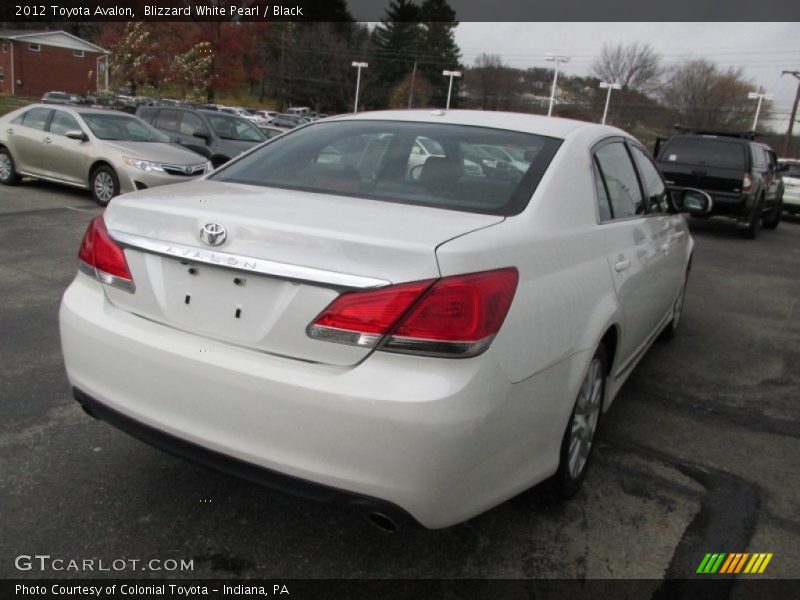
x=633, y=240
x=26, y=135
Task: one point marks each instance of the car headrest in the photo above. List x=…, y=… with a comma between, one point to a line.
x=440, y=173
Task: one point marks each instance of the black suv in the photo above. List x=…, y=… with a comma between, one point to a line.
x=216, y=135
x=742, y=176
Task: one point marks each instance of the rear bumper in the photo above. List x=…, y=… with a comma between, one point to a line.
x=244, y=470
x=441, y=439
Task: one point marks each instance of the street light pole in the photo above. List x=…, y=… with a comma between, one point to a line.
x=787, y=142
x=450, y=74
x=609, y=86
x=359, y=66
x=760, y=97
x=557, y=59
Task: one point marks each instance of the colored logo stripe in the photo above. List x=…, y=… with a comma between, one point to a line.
x=720, y=562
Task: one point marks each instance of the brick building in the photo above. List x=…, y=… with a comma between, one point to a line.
x=35, y=62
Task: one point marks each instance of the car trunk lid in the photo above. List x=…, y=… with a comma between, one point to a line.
x=286, y=256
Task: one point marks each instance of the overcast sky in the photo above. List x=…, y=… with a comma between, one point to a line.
x=762, y=49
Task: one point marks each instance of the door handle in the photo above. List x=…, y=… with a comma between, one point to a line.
x=622, y=265
x=9, y=130
x=665, y=247
x=47, y=140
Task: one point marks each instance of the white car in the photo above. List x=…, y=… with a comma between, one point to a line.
x=426, y=348
x=791, y=185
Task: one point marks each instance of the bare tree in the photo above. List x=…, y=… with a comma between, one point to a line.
x=634, y=66
x=493, y=85
x=702, y=95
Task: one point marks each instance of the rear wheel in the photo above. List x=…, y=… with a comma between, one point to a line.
x=8, y=173
x=750, y=231
x=218, y=161
x=771, y=222
x=105, y=184
x=578, y=441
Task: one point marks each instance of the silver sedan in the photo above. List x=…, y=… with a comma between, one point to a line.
x=107, y=152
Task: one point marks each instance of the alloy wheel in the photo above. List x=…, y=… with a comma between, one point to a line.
x=584, y=421
x=104, y=186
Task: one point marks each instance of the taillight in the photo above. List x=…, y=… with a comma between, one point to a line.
x=747, y=182
x=102, y=259
x=452, y=316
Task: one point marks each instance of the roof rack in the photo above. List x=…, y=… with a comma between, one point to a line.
x=746, y=135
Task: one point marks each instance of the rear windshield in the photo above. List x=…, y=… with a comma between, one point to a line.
x=713, y=152
x=456, y=167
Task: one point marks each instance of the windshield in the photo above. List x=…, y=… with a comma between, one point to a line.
x=380, y=160
x=234, y=128
x=118, y=127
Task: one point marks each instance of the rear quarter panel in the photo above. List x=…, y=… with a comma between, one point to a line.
x=565, y=300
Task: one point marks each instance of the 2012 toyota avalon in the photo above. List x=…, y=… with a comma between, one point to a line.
x=313, y=317
x=108, y=152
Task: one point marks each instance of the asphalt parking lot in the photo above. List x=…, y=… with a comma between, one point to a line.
x=699, y=453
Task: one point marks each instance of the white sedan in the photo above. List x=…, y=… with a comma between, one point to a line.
x=425, y=347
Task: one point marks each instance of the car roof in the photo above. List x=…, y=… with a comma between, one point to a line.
x=538, y=124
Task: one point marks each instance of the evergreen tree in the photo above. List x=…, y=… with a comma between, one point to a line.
x=437, y=48
x=395, y=43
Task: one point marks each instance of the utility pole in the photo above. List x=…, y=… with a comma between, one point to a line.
x=787, y=143
x=557, y=59
x=411, y=89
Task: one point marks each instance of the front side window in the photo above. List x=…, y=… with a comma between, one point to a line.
x=656, y=190
x=233, y=128
x=191, y=124
x=621, y=183
x=119, y=127
x=400, y=162
x=63, y=122
x=36, y=118
x=168, y=118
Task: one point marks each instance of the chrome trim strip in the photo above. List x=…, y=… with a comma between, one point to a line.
x=237, y=262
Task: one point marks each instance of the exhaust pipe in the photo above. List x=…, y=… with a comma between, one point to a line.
x=383, y=522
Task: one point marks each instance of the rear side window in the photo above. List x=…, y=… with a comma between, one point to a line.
x=794, y=171
x=654, y=186
x=621, y=183
x=36, y=118
x=726, y=154
x=383, y=160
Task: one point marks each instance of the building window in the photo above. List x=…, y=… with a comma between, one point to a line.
x=78, y=53
x=34, y=47
x=5, y=47
x=2, y=74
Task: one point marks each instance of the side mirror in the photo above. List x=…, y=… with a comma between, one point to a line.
x=202, y=135
x=694, y=202
x=77, y=134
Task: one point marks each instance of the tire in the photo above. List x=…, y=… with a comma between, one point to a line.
x=577, y=444
x=8, y=173
x=677, y=310
x=104, y=184
x=753, y=222
x=775, y=215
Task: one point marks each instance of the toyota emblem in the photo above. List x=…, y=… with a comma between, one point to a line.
x=213, y=234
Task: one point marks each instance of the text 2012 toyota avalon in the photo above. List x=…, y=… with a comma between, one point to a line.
x=331, y=316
